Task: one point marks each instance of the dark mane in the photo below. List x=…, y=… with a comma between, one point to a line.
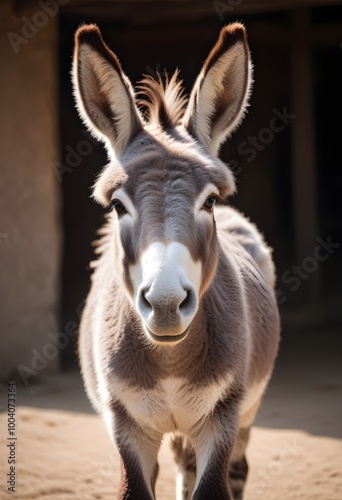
x=163, y=99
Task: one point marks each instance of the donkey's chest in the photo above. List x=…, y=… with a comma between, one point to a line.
x=171, y=405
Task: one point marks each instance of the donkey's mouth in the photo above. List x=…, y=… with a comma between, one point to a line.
x=167, y=339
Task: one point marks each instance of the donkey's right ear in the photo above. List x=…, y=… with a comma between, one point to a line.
x=104, y=95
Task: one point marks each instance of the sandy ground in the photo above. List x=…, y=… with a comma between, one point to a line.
x=295, y=452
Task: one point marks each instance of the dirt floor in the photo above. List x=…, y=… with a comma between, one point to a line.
x=295, y=452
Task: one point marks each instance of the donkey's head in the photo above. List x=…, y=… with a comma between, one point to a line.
x=164, y=176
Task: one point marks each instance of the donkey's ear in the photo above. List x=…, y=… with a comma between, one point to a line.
x=103, y=93
x=219, y=98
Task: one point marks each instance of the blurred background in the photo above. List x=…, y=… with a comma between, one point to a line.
x=286, y=156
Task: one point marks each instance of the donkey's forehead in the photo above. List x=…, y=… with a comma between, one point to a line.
x=167, y=171
x=174, y=162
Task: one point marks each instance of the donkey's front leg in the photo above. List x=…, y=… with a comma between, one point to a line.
x=213, y=444
x=138, y=449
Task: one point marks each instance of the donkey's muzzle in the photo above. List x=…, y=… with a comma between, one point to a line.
x=168, y=313
x=166, y=282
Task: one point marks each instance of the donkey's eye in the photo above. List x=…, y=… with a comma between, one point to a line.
x=209, y=202
x=118, y=207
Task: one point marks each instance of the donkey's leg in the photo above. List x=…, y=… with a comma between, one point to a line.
x=186, y=461
x=238, y=467
x=138, y=449
x=213, y=443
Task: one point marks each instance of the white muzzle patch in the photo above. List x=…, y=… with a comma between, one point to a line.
x=166, y=284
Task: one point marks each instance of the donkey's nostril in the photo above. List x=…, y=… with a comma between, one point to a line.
x=185, y=302
x=144, y=302
x=169, y=305
x=188, y=303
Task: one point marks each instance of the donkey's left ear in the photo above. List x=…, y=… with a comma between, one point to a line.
x=220, y=95
x=103, y=93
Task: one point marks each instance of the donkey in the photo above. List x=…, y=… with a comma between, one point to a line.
x=180, y=329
